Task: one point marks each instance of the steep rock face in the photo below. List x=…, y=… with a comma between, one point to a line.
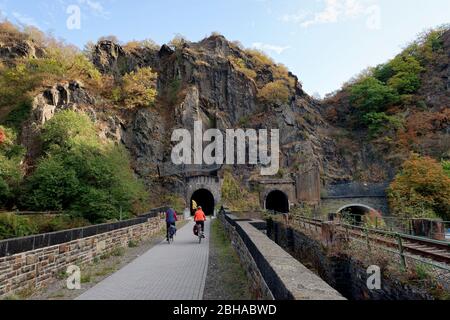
x=198, y=81
x=111, y=58
x=65, y=96
x=353, y=154
x=59, y=97
x=435, y=87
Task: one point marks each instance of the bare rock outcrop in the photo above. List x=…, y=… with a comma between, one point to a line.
x=14, y=49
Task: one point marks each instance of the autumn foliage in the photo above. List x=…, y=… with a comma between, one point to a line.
x=421, y=189
x=2, y=136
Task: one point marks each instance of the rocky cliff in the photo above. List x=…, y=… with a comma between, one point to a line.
x=226, y=86
x=199, y=81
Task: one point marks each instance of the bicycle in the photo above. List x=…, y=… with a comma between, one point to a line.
x=199, y=233
x=172, y=232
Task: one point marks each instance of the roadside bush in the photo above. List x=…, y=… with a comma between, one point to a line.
x=50, y=223
x=374, y=219
x=12, y=226
x=421, y=189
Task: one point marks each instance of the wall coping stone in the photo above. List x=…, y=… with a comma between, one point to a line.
x=14, y=246
x=285, y=276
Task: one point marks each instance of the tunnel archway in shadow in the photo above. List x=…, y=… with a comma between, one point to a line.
x=355, y=212
x=277, y=201
x=205, y=199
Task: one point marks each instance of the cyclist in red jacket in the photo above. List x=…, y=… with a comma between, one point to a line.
x=200, y=218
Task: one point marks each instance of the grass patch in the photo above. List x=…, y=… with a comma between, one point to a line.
x=118, y=252
x=105, y=271
x=234, y=281
x=133, y=244
x=85, y=278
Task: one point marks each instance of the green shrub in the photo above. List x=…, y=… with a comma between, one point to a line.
x=133, y=244
x=174, y=90
x=371, y=95
x=175, y=201
x=68, y=130
x=12, y=226
x=18, y=115
x=139, y=88
x=52, y=187
x=19, y=82
x=446, y=167
x=241, y=66
x=235, y=197
x=275, y=93
x=259, y=58
x=406, y=74
x=11, y=174
x=50, y=223
x=383, y=72
x=82, y=175
x=379, y=122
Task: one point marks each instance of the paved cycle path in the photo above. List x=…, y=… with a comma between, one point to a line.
x=165, y=272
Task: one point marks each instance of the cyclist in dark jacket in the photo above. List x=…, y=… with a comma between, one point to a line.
x=171, y=219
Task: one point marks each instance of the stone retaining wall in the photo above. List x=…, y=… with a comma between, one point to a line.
x=344, y=273
x=24, y=269
x=273, y=273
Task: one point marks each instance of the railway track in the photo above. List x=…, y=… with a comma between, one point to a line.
x=435, y=250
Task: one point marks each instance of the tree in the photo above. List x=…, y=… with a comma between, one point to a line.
x=383, y=72
x=406, y=70
x=81, y=174
x=11, y=174
x=421, y=189
x=371, y=95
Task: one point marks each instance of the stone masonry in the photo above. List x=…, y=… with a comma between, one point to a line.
x=37, y=268
x=273, y=273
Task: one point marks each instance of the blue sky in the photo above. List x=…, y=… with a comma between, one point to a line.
x=324, y=42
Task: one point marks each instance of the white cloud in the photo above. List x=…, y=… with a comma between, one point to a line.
x=334, y=11
x=95, y=7
x=24, y=19
x=270, y=47
x=296, y=17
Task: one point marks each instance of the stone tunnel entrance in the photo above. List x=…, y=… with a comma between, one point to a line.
x=205, y=199
x=355, y=212
x=277, y=201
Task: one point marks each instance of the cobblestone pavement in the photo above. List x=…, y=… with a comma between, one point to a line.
x=165, y=272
